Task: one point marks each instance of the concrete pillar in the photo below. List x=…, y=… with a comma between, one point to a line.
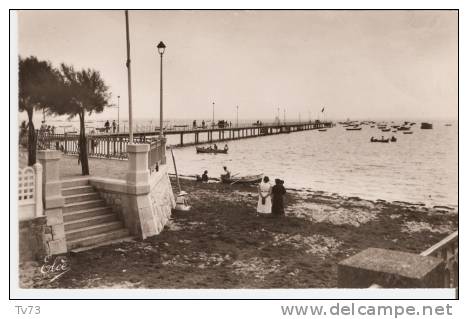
x=38, y=190
x=52, y=186
x=53, y=200
x=138, y=172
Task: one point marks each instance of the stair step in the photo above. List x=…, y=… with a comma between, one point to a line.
x=78, y=198
x=92, y=230
x=86, y=213
x=90, y=221
x=83, y=205
x=68, y=183
x=104, y=243
x=97, y=239
x=77, y=190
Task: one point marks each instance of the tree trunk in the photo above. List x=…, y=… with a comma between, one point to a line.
x=32, y=140
x=83, y=147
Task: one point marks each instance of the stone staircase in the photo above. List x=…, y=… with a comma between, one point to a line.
x=89, y=222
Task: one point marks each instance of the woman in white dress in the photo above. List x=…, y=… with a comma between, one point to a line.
x=264, y=198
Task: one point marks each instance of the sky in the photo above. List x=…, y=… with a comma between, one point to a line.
x=356, y=64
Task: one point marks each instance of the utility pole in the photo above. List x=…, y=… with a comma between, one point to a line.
x=129, y=75
x=237, y=121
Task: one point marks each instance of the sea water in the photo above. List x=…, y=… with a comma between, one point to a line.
x=421, y=167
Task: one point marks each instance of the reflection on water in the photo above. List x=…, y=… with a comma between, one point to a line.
x=421, y=167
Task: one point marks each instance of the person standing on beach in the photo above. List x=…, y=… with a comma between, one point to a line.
x=264, y=196
x=278, y=192
x=227, y=173
x=204, y=177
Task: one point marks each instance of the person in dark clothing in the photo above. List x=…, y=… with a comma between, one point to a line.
x=204, y=177
x=278, y=192
x=107, y=126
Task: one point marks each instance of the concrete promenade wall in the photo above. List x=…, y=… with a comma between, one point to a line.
x=145, y=209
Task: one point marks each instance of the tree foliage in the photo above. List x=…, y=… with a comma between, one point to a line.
x=83, y=92
x=38, y=81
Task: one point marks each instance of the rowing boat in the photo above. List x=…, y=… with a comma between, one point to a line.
x=211, y=150
x=249, y=179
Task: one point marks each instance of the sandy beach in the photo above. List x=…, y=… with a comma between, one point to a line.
x=223, y=243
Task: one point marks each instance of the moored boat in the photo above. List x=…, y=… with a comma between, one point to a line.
x=403, y=128
x=322, y=130
x=211, y=150
x=386, y=129
x=355, y=128
x=426, y=126
x=408, y=132
x=382, y=140
x=249, y=179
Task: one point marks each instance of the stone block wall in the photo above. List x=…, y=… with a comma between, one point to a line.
x=38, y=239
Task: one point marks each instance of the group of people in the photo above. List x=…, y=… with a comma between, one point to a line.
x=221, y=124
x=215, y=147
x=270, y=199
x=107, y=126
x=49, y=129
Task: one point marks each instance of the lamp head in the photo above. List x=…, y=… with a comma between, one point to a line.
x=161, y=47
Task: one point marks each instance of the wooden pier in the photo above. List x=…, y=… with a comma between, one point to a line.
x=219, y=134
x=114, y=145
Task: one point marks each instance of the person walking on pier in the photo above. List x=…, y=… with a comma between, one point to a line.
x=278, y=192
x=107, y=126
x=203, y=124
x=264, y=196
x=114, y=126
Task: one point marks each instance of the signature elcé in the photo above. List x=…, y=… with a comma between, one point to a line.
x=57, y=266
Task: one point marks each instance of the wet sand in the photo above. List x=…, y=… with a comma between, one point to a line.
x=223, y=243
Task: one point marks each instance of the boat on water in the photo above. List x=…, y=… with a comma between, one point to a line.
x=448, y=124
x=355, y=128
x=322, y=130
x=249, y=179
x=408, y=132
x=393, y=139
x=386, y=129
x=426, y=126
x=403, y=128
x=382, y=140
x=212, y=150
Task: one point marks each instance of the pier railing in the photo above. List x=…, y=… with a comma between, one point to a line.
x=100, y=146
x=447, y=250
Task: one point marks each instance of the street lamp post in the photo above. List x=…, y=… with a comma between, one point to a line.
x=237, y=118
x=284, y=116
x=212, y=122
x=118, y=113
x=161, y=49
